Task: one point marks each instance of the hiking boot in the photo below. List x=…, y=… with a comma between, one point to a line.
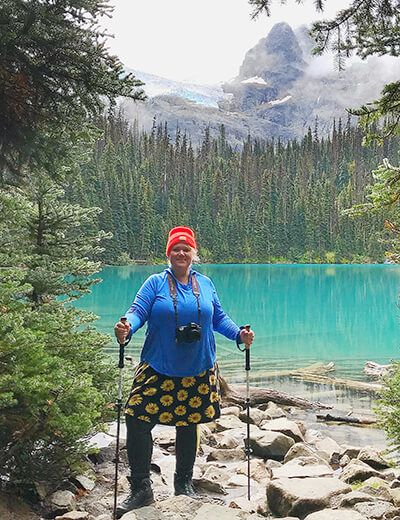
x=141, y=495
x=183, y=485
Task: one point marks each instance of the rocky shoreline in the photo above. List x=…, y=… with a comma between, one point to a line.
x=297, y=472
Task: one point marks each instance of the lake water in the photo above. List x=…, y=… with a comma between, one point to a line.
x=301, y=314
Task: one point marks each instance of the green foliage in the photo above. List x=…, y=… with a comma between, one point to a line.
x=388, y=406
x=55, y=381
x=266, y=202
x=55, y=73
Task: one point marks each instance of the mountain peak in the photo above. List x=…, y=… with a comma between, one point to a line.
x=274, y=57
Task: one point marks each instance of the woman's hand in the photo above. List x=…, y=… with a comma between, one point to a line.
x=247, y=336
x=121, y=330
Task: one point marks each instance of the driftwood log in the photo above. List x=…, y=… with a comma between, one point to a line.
x=341, y=383
x=345, y=418
x=375, y=370
x=236, y=395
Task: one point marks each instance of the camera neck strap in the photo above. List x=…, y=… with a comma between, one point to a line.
x=174, y=295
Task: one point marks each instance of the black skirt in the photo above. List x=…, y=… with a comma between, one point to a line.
x=174, y=401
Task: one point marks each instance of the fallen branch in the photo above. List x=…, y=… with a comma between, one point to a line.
x=337, y=382
x=236, y=394
x=345, y=418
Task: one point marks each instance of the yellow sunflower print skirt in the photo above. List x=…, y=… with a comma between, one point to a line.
x=174, y=401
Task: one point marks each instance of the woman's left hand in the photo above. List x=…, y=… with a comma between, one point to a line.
x=247, y=336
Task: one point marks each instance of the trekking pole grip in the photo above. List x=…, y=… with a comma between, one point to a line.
x=247, y=327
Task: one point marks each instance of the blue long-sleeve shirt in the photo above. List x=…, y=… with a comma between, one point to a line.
x=153, y=304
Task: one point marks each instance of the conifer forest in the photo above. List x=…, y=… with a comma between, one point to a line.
x=267, y=202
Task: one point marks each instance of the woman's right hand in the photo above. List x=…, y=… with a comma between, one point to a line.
x=121, y=330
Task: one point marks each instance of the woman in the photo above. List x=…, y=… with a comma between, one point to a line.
x=176, y=380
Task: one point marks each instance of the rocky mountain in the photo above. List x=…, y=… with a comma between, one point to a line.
x=281, y=90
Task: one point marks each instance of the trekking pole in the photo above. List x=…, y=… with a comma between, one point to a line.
x=118, y=406
x=248, y=450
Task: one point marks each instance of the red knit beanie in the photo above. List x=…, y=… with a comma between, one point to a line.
x=180, y=234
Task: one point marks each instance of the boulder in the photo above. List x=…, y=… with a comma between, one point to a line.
x=395, y=494
x=213, y=479
x=371, y=457
x=231, y=410
x=83, y=482
x=351, y=451
x=256, y=416
x=357, y=470
x=180, y=504
x=296, y=468
x=335, y=514
x=301, y=496
x=376, y=509
x=225, y=440
x=271, y=410
x=60, y=502
x=283, y=425
x=212, y=511
x=349, y=499
x=377, y=487
x=227, y=454
x=228, y=422
x=328, y=445
x=144, y=513
x=73, y=515
x=165, y=438
x=299, y=449
x=271, y=445
x=258, y=470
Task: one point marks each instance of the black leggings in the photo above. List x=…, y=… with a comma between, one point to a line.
x=139, y=443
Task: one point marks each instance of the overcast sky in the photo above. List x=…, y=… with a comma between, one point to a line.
x=200, y=41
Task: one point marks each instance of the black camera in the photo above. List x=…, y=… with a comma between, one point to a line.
x=188, y=333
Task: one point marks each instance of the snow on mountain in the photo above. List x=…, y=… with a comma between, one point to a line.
x=255, y=79
x=206, y=95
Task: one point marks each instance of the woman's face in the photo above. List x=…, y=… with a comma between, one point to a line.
x=181, y=256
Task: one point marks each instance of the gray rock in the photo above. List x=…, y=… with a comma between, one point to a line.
x=377, y=487
x=224, y=440
x=256, y=416
x=271, y=445
x=231, y=410
x=351, y=451
x=328, y=445
x=227, y=422
x=335, y=514
x=61, y=502
x=179, y=505
x=144, y=513
x=349, y=499
x=258, y=470
x=74, y=515
x=227, y=454
x=298, y=496
x=84, y=482
x=272, y=411
x=298, y=469
x=376, y=509
x=298, y=450
x=395, y=494
x=357, y=470
x=344, y=460
x=165, y=438
x=371, y=457
x=284, y=426
x=212, y=511
x=213, y=480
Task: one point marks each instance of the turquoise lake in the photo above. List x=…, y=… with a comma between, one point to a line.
x=301, y=314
